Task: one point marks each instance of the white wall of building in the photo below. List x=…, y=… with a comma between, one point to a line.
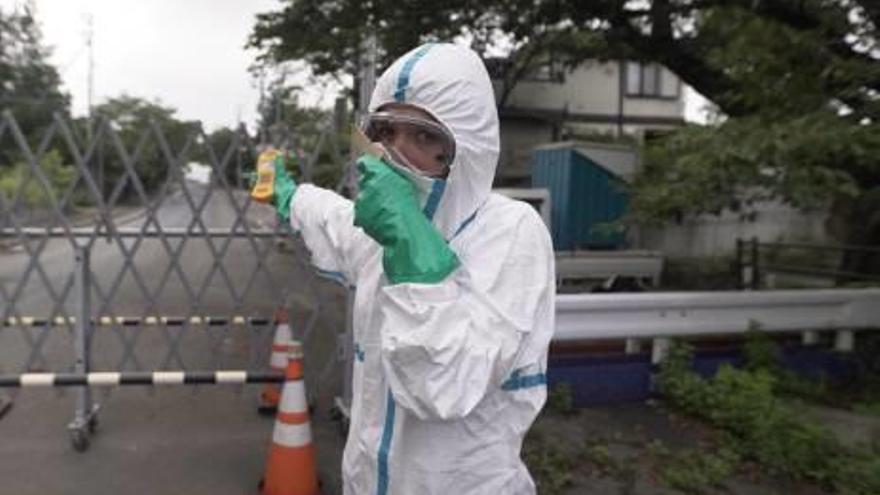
x=709, y=235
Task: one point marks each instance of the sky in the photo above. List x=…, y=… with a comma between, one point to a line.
x=187, y=54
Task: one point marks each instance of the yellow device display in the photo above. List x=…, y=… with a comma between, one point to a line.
x=264, y=188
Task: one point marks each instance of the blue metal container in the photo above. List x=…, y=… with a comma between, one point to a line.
x=585, y=199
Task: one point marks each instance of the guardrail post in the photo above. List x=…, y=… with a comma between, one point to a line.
x=633, y=346
x=844, y=341
x=659, y=349
x=756, y=265
x=85, y=415
x=659, y=352
x=740, y=264
x=810, y=337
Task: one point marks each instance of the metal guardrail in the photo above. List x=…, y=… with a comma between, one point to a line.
x=659, y=316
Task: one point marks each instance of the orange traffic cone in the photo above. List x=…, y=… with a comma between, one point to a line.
x=290, y=467
x=271, y=393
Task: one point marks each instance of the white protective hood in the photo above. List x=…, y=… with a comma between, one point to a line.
x=451, y=83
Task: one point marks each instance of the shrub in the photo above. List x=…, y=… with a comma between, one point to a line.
x=547, y=462
x=33, y=194
x=560, y=399
x=760, y=426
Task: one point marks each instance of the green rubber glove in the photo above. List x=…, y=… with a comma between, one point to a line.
x=386, y=208
x=284, y=187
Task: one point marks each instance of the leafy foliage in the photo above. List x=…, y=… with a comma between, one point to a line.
x=548, y=463
x=232, y=149
x=327, y=35
x=805, y=161
x=139, y=125
x=696, y=471
x=560, y=399
x=799, y=121
x=762, y=427
x=796, y=83
x=711, y=44
x=311, y=133
x=30, y=87
x=20, y=185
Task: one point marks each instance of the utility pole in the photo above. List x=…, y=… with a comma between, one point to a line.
x=261, y=107
x=278, y=95
x=90, y=96
x=90, y=81
x=366, y=74
x=366, y=78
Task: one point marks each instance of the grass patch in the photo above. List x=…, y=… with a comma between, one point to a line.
x=698, y=471
x=550, y=465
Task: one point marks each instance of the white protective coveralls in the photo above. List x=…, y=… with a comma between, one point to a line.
x=448, y=377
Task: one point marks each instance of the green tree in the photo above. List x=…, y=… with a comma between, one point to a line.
x=327, y=35
x=143, y=127
x=681, y=34
x=309, y=132
x=804, y=131
x=237, y=148
x=796, y=83
x=30, y=87
x=22, y=189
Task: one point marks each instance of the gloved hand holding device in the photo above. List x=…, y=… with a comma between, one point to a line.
x=274, y=185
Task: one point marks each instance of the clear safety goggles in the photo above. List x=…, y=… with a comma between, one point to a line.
x=428, y=137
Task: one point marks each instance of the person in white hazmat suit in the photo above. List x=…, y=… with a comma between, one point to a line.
x=454, y=303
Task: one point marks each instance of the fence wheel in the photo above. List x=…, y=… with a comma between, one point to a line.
x=79, y=439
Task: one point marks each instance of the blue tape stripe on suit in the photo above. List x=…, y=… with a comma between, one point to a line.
x=464, y=225
x=517, y=382
x=406, y=71
x=434, y=198
x=388, y=430
x=335, y=276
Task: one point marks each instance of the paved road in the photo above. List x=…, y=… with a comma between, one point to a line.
x=168, y=440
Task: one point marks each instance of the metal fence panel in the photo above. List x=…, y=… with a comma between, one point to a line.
x=115, y=259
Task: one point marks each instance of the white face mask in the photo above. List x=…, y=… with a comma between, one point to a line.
x=429, y=190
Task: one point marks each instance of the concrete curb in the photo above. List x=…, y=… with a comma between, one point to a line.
x=90, y=218
x=14, y=245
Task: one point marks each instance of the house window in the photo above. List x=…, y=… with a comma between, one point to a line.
x=650, y=80
x=550, y=70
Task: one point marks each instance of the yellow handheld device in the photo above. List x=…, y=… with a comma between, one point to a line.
x=264, y=188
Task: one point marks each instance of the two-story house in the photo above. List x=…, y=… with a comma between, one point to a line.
x=554, y=104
